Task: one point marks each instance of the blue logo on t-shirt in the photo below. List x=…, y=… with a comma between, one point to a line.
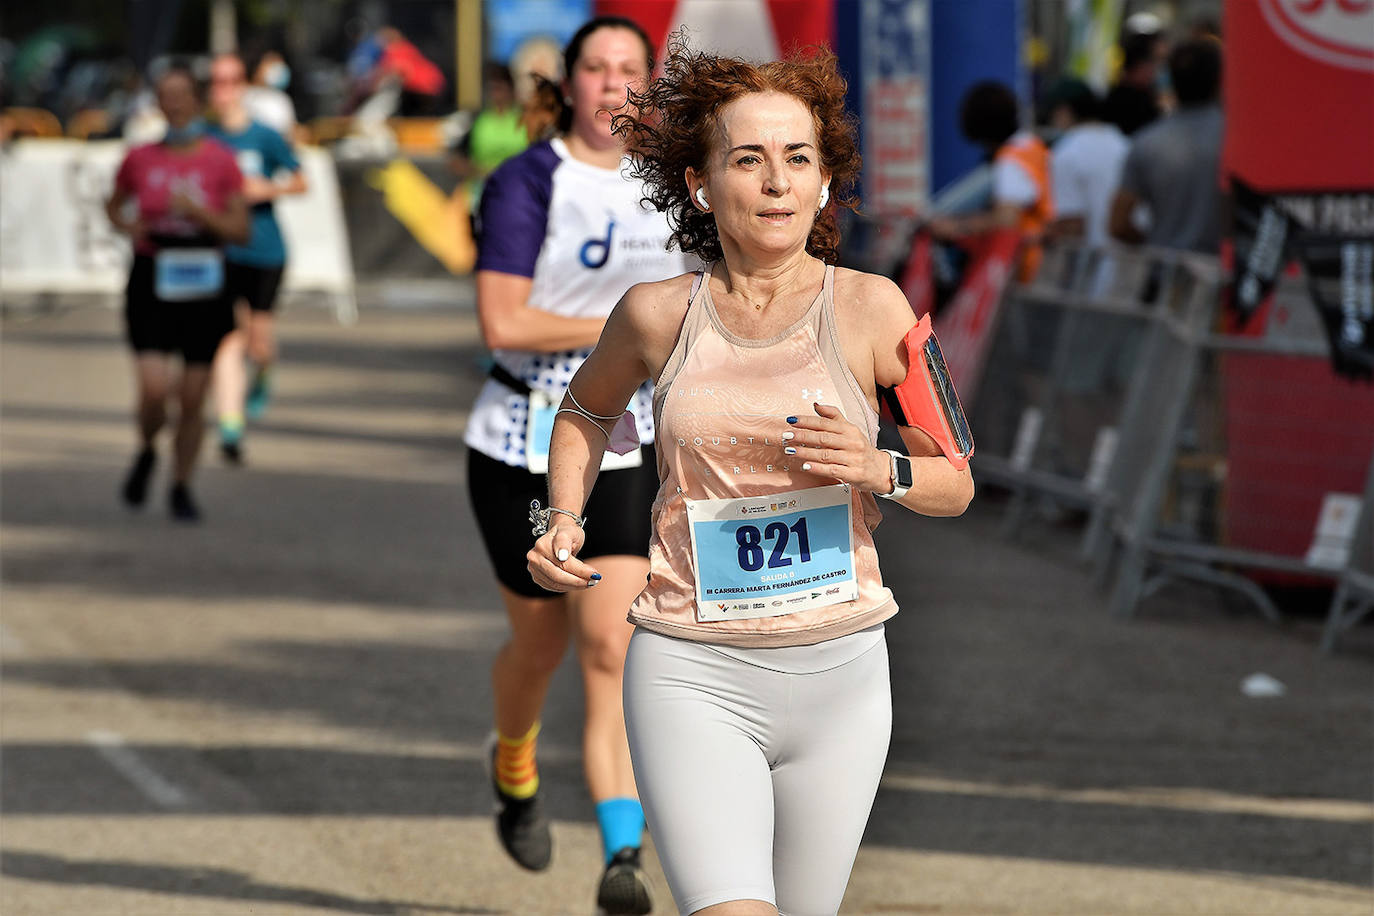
x=589, y=259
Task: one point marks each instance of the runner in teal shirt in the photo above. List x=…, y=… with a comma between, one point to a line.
x=253, y=272
x=261, y=153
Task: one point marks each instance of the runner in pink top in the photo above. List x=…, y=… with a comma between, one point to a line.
x=152, y=175
x=756, y=690
x=179, y=200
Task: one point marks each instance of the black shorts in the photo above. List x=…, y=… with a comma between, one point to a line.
x=193, y=328
x=258, y=285
x=617, y=514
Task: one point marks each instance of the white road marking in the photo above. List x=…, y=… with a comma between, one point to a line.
x=1178, y=799
x=148, y=781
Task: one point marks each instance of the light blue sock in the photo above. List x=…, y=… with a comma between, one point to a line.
x=622, y=824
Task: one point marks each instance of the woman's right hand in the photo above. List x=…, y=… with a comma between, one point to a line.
x=553, y=562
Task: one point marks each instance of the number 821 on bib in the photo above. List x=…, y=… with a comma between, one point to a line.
x=765, y=556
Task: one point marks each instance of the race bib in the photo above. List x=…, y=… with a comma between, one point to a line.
x=188, y=273
x=539, y=431
x=250, y=163
x=765, y=556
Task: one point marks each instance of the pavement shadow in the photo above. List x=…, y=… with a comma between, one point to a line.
x=402, y=690
x=438, y=693
x=449, y=441
x=449, y=357
x=329, y=525
x=219, y=883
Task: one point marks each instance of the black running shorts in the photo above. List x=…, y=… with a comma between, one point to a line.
x=258, y=285
x=617, y=514
x=192, y=328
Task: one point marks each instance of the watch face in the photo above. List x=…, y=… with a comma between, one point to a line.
x=904, y=477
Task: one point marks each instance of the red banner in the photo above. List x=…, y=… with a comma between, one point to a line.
x=1299, y=153
x=1299, y=94
x=755, y=29
x=964, y=326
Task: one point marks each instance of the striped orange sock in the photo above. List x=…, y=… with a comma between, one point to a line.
x=516, y=774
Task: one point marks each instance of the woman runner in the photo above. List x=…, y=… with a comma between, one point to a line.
x=180, y=200
x=757, y=699
x=563, y=234
x=253, y=272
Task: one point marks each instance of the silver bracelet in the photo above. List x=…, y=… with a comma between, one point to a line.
x=539, y=518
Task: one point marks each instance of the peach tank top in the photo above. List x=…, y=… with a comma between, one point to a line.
x=720, y=406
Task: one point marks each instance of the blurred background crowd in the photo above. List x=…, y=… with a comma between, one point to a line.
x=89, y=64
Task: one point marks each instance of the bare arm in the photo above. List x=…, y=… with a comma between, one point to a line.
x=877, y=317
x=510, y=323
x=1001, y=216
x=1120, y=224
x=259, y=190
x=1068, y=227
x=938, y=487
x=114, y=209
x=230, y=224
x=603, y=386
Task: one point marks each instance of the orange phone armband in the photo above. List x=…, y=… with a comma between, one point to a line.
x=926, y=398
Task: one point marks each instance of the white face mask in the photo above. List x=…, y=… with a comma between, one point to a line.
x=278, y=76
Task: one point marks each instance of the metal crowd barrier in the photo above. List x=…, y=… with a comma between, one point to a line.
x=1108, y=391
x=1217, y=470
x=1066, y=372
x=1354, y=598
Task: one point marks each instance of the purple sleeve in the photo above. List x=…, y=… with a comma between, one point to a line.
x=515, y=212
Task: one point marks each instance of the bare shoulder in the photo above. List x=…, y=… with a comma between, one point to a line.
x=646, y=323
x=657, y=308
x=872, y=301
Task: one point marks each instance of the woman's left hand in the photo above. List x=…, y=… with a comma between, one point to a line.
x=829, y=445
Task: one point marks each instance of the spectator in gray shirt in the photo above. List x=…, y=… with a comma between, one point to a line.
x=1173, y=165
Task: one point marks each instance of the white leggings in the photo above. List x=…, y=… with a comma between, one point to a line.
x=757, y=783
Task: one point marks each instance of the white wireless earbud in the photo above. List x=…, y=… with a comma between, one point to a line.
x=825, y=197
x=701, y=199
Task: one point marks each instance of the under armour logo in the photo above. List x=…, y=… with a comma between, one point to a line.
x=815, y=394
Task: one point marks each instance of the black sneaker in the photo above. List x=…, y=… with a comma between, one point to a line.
x=135, y=490
x=624, y=886
x=232, y=452
x=521, y=825
x=181, y=505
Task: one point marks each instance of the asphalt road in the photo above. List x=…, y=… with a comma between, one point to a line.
x=281, y=711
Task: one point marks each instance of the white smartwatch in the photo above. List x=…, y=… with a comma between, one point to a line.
x=901, y=475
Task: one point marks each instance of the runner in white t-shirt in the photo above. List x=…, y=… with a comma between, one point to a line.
x=563, y=234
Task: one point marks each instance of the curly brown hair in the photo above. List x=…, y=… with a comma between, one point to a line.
x=678, y=124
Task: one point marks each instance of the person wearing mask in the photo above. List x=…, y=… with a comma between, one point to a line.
x=1085, y=162
x=989, y=116
x=1173, y=166
x=266, y=100
x=564, y=232
x=253, y=272
x=757, y=693
x=180, y=200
